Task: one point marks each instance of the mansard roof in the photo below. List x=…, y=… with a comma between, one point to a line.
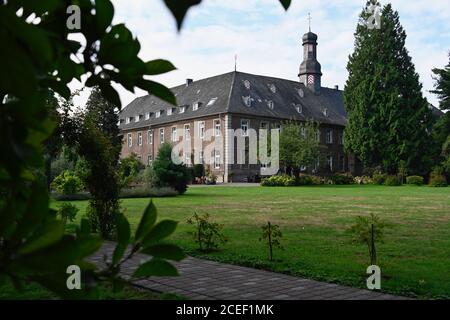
x=239, y=93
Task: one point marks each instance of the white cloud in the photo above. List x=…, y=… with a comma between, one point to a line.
x=267, y=39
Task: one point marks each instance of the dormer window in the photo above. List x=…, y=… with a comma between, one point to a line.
x=127, y=120
x=325, y=112
x=182, y=109
x=299, y=108
x=211, y=102
x=247, y=101
x=196, y=105
x=270, y=104
x=272, y=88
x=247, y=84
x=301, y=93
x=136, y=119
x=169, y=111
x=158, y=114
x=147, y=115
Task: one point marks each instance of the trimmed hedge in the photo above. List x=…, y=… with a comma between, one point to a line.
x=342, y=178
x=278, y=181
x=393, y=181
x=415, y=180
x=379, y=178
x=137, y=192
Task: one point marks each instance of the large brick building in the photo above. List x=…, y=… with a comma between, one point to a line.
x=243, y=101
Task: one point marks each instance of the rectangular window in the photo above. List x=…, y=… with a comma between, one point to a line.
x=244, y=127
x=161, y=136
x=136, y=119
x=182, y=109
x=342, y=161
x=158, y=114
x=201, y=130
x=216, y=159
x=147, y=115
x=174, y=134
x=169, y=111
x=329, y=136
x=330, y=163
x=195, y=106
x=217, y=128
x=200, y=157
x=341, y=138
x=139, y=138
x=149, y=159
x=127, y=120
x=187, y=132
x=150, y=137
x=130, y=140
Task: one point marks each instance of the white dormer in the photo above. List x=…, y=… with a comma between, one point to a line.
x=158, y=114
x=211, y=102
x=299, y=108
x=182, y=109
x=325, y=112
x=136, y=118
x=270, y=104
x=147, y=115
x=169, y=111
x=196, y=105
x=247, y=101
x=127, y=120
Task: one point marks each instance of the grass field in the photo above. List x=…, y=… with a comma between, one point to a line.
x=415, y=257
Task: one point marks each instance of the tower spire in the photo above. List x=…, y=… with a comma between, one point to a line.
x=310, y=69
x=309, y=20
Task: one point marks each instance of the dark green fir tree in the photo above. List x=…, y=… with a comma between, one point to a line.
x=389, y=119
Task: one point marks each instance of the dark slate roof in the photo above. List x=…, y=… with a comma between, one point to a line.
x=231, y=91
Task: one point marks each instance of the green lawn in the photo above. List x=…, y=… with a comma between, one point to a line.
x=415, y=258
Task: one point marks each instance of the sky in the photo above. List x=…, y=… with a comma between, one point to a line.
x=267, y=39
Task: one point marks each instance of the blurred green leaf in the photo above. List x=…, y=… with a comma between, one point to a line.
x=180, y=8
x=104, y=11
x=162, y=230
x=159, y=66
x=147, y=221
x=285, y=4
x=165, y=251
x=123, y=238
x=155, y=267
x=46, y=235
x=158, y=90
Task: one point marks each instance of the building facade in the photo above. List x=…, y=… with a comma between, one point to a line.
x=213, y=114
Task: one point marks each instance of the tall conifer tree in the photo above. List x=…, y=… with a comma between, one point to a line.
x=388, y=115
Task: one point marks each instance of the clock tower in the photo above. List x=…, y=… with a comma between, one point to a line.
x=310, y=69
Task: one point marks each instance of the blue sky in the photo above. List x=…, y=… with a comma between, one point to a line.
x=267, y=40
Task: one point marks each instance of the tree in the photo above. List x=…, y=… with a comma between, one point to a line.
x=388, y=118
x=299, y=146
x=442, y=86
x=40, y=56
x=169, y=174
x=99, y=143
x=446, y=155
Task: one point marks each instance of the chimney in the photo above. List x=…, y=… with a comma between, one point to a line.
x=336, y=87
x=188, y=82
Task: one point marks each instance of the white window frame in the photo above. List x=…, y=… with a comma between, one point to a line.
x=169, y=111
x=136, y=118
x=127, y=120
x=216, y=159
x=217, y=128
x=150, y=136
x=158, y=114
x=130, y=140
x=182, y=109
x=161, y=135
x=147, y=115
x=329, y=136
x=195, y=106
x=139, y=138
x=201, y=130
x=187, y=132
x=174, y=135
x=150, y=159
x=247, y=126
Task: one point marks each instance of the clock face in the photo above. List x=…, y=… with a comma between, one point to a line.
x=310, y=79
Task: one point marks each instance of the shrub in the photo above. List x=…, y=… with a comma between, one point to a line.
x=342, y=178
x=146, y=192
x=82, y=195
x=129, y=169
x=316, y=180
x=271, y=234
x=67, y=183
x=368, y=231
x=416, y=180
x=437, y=178
x=363, y=180
x=379, y=178
x=304, y=180
x=198, y=170
x=169, y=174
x=278, y=181
x=208, y=235
x=67, y=211
x=393, y=181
